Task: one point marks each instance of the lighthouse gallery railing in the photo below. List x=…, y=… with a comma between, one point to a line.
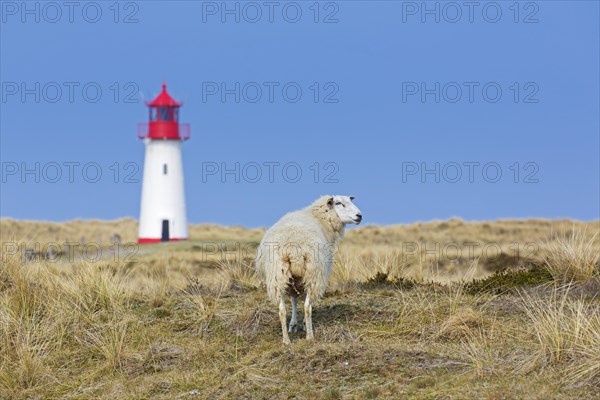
x=143, y=130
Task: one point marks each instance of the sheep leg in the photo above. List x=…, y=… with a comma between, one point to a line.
x=308, y=317
x=282, y=318
x=294, y=320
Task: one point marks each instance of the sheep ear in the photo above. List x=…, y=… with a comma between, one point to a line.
x=352, y=197
x=330, y=201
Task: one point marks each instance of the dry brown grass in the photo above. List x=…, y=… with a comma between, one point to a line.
x=573, y=256
x=567, y=330
x=191, y=319
x=98, y=231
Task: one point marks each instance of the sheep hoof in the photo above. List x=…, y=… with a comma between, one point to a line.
x=293, y=328
x=286, y=341
x=311, y=337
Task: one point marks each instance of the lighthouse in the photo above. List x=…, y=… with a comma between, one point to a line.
x=162, y=213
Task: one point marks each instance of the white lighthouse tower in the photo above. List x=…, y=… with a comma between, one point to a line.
x=162, y=214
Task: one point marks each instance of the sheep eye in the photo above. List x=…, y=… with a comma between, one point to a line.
x=338, y=204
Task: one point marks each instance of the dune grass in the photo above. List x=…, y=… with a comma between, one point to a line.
x=191, y=320
x=573, y=256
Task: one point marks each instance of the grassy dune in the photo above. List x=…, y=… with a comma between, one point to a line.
x=445, y=309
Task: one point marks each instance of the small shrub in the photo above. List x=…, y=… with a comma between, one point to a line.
x=502, y=281
x=382, y=279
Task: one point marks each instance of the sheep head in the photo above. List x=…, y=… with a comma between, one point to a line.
x=345, y=209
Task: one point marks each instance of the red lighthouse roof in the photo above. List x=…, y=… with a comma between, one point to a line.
x=164, y=99
x=163, y=121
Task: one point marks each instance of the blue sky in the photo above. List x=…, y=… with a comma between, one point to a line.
x=389, y=90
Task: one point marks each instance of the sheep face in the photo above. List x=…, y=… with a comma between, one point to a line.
x=345, y=209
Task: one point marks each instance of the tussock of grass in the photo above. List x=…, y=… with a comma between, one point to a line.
x=106, y=342
x=196, y=312
x=587, y=352
x=487, y=350
x=460, y=324
x=573, y=257
x=237, y=275
x=91, y=288
x=567, y=331
x=44, y=316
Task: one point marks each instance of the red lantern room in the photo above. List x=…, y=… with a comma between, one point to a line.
x=164, y=119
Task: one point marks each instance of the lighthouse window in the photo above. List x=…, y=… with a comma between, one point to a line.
x=164, y=169
x=165, y=114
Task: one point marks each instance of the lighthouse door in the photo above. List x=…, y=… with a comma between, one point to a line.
x=165, y=231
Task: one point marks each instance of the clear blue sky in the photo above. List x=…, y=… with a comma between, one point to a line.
x=369, y=119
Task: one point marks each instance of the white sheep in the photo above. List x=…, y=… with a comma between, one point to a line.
x=296, y=255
